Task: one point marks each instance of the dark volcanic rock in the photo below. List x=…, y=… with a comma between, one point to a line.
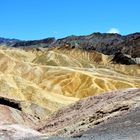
x=10, y=102
x=108, y=44
x=119, y=58
x=105, y=43
x=8, y=41
x=35, y=43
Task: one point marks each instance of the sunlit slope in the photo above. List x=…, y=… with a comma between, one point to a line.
x=54, y=78
x=77, y=58
x=11, y=115
x=62, y=56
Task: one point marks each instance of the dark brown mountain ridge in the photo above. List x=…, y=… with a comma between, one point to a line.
x=105, y=43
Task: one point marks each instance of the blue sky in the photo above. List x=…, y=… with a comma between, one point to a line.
x=36, y=19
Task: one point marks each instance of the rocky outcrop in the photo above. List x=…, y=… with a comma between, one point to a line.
x=10, y=102
x=124, y=127
x=119, y=58
x=112, y=115
x=97, y=114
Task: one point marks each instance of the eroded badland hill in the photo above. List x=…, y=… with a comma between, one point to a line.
x=37, y=82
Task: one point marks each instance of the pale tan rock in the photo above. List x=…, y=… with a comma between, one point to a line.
x=54, y=78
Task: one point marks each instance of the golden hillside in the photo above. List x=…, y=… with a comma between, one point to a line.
x=56, y=77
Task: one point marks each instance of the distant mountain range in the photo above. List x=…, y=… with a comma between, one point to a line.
x=106, y=43
x=8, y=41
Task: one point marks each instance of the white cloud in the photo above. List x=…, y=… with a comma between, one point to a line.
x=114, y=30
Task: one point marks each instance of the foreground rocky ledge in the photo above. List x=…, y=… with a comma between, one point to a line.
x=113, y=114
